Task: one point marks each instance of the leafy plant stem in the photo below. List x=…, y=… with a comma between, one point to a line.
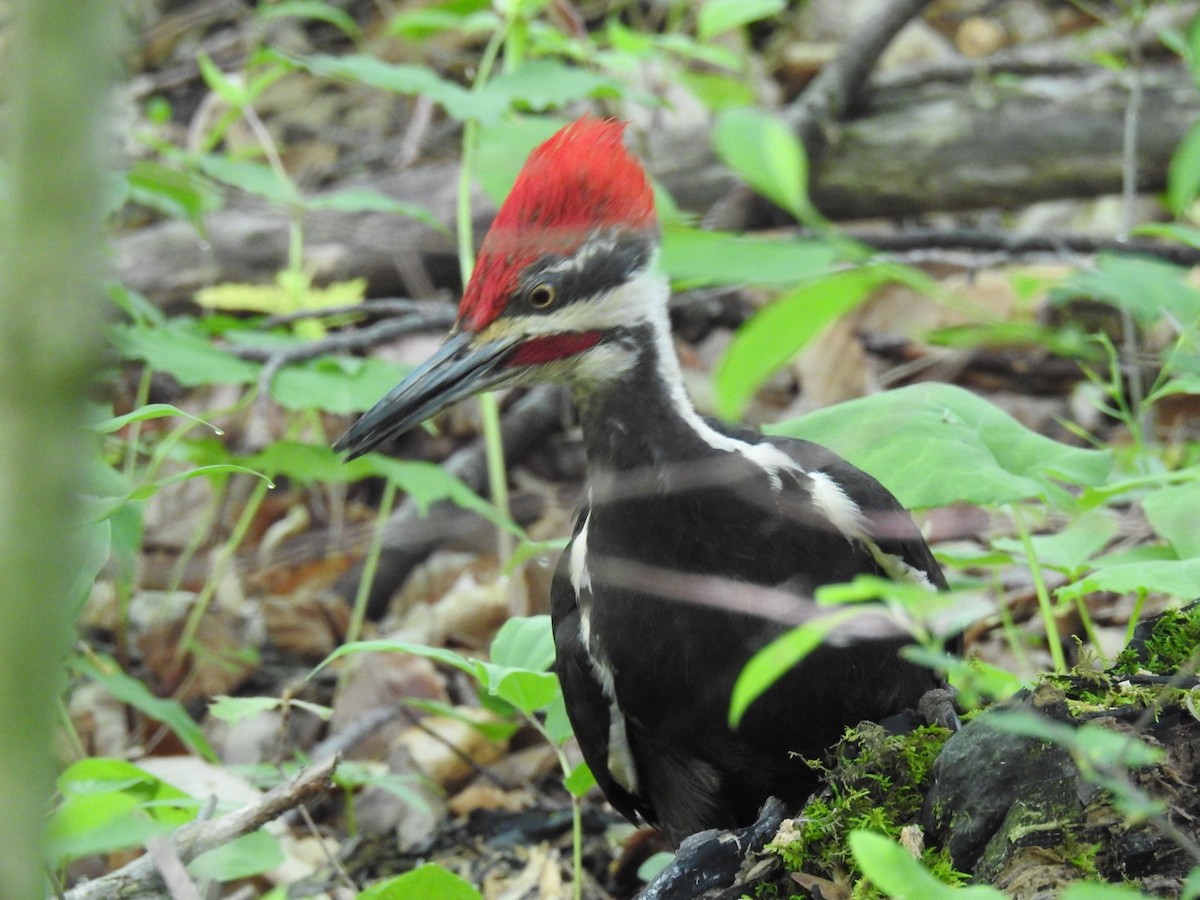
x=1039, y=586
x=576, y=810
x=220, y=565
x=135, y=427
x=371, y=563
x=1085, y=619
x=69, y=732
x=1135, y=616
x=1011, y=634
x=1129, y=187
x=202, y=530
x=488, y=406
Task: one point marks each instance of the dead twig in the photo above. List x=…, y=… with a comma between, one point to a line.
x=141, y=878
x=1020, y=246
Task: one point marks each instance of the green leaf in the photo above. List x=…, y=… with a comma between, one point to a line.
x=557, y=723
x=149, y=411
x=428, y=882
x=312, y=9
x=543, y=84
x=97, y=545
x=527, y=691
x=234, y=709
x=492, y=730
x=1148, y=288
x=171, y=191
x=302, y=463
x=351, y=774
x=1175, y=577
x=1172, y=511
x=774, y=334
x=936, y=444
x=653, y=864
x=770, y=663
x=520, y=654
x=1070, y=549
x=580, y=781
x=426, y=482
x=1191, y=886
x=460, y=103
x=694, y=258
x=98, y=824
x=366, y=200
x=219, y=83
x=1185, y=234
x=179, y=349
x=245, y=856
x=717, y=16
x=975, y=680
x=253, y=178
x=1183, y=173
x=894, y=871
x=766, y=155
x=717, y=90
x=110, y=804
x=282, y=297
x=525, y=642
x=335, y=384
x=1095, y=744
x=463, y=17
x=437, y=654
x=105, y=672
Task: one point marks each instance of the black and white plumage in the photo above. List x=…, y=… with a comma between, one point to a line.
x=696, y=545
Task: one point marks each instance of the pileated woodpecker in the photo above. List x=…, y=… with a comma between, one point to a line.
x=697, y=544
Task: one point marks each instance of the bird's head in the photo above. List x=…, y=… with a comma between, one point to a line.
x=566, y=268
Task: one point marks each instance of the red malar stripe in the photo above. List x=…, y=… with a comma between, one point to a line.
x=552, y=347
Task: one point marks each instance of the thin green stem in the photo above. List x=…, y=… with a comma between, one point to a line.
x=220, y=566
x=489, y=408
x=576, y=808
x=1013, y=636
x=1135, y=616
x=135, y=427
x=371, y=563
x=1043, y=595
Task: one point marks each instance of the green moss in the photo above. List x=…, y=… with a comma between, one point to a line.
x=1172, y=645
x=876, y=781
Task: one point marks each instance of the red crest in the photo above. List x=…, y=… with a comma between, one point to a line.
x=579, y=180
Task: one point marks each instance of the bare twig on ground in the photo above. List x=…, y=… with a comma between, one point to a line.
x=141, y=878
x=1017, y=247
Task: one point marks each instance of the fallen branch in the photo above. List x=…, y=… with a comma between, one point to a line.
x=141, y=877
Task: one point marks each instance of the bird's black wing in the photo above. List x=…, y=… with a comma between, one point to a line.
x=587, y=706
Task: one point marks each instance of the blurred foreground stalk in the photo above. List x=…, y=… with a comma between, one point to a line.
x=57, y=62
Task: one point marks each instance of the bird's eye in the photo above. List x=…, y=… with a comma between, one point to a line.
x=542, y=296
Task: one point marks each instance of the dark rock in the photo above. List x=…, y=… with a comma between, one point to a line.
x=983, y=775
x=708, y=864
